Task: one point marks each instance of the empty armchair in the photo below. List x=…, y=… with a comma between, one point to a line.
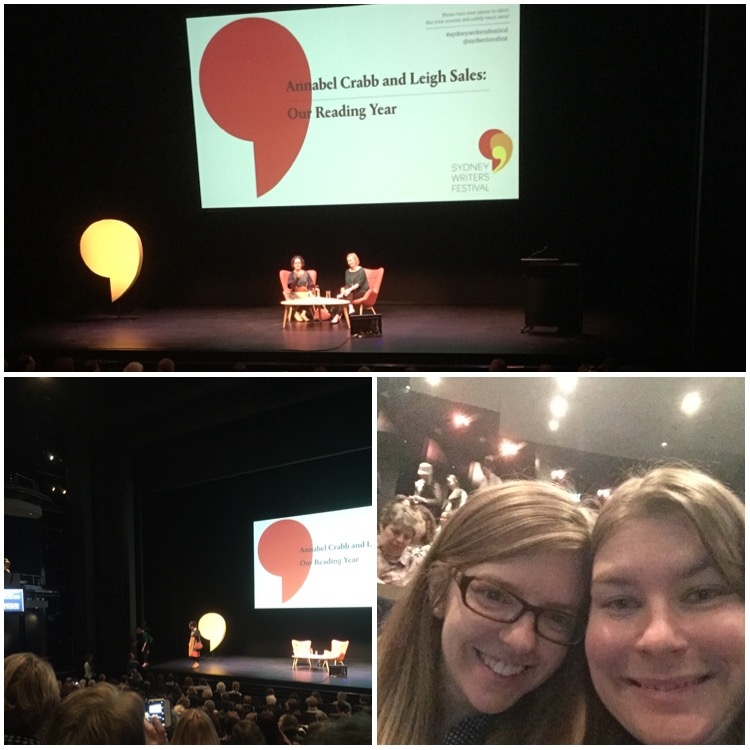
x=336, y=654
x=368, y=299
x=301, y=650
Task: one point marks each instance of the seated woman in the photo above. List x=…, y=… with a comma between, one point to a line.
x=355, y=283
x=300, y=285
x=666, y=632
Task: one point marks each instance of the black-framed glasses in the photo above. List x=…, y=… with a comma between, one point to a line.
x=492, y=601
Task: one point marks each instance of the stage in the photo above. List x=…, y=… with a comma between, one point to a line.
x=423, y=337
x=258, y=673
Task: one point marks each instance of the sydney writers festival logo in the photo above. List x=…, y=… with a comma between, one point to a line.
x=474, y=177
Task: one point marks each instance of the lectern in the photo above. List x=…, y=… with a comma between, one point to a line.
x=554, y=295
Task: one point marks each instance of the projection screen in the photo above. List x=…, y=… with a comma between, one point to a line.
x=356, y=105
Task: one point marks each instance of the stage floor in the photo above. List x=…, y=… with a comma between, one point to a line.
x=276, y=673
x=420, y=337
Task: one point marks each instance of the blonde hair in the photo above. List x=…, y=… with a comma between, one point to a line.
x=498, y=523
x=31, y=692
x=353, y=255
x=718, y=517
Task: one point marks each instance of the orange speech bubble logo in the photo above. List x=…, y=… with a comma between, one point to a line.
x=113, y=249
x=245, y=73
x=497, y=147
x=285, y=550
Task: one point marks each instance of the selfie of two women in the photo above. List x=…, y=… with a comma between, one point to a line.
x=592, y=592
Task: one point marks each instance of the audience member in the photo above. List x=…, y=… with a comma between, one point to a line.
x=269, y=726
x=290, y=727
x=312, y=713
x=246, y=733
x=424, y=534
x=133, y=367
x=348, y=730
x=195, y=728
x=489, y=478
x=456, y=495
x=666, y=632
x=165, y=365
x=458, y=662
x=398, y=527
x=31, y=694
x=427, y=491
x=101, y=715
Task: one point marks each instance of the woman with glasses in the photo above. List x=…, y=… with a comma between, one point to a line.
x=485, y=645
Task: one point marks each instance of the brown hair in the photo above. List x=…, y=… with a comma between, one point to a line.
x=498, y=523
x=195, y=728
x=718, y=517
x=100, y=715
x=31, y=693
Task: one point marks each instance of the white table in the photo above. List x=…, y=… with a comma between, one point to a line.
x=324, y=302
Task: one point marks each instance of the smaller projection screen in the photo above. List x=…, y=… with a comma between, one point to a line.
x=318, y=560
x=357, y=105
x=13, y=600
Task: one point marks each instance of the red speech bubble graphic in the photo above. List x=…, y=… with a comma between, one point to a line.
x=285, y=549
x=244, y=75
x=497, y=147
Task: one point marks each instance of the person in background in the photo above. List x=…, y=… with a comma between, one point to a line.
x=398, y=527
x=427, y=491
x=102, y=715
x=195, y=644
x=489, y=478
x=666, y=633
x=31, y=695
x=456, y=495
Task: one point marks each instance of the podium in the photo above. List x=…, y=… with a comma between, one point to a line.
x=553, y=295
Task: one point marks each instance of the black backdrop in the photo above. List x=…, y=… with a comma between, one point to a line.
x=201, y=559
x=632, y=163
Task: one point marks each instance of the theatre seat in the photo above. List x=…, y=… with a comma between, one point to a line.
x=368, y=299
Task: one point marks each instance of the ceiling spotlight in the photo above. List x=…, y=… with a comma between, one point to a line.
x=558, y=474
x=567, y=383
x=508, y=448
x=554, y=425
x=663, y=445
x=558, y=406
x=461, y=420
x=432, y=380
x=691, y=403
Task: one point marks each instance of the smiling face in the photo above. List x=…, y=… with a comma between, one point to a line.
x=352, y=260
x=490, y=665
x=666, y=635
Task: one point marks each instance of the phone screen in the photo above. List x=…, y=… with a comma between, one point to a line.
x=159, y=707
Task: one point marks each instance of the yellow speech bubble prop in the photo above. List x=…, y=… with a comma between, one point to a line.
x=213, y=627
x=113, y=249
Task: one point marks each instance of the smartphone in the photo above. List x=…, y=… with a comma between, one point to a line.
x=160, y=708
